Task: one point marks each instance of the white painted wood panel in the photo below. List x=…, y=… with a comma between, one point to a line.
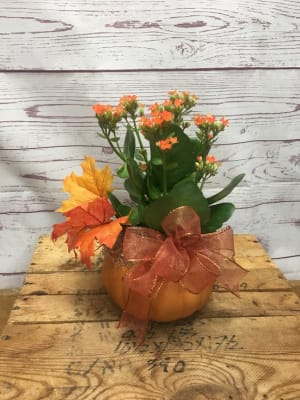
x=47, y=126
x=265, y=163
x=56, y=107
x=146, y=34
x=242, y=58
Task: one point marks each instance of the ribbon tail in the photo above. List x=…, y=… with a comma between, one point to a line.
x=136, y=314
x=203, y=272
x=231, y=275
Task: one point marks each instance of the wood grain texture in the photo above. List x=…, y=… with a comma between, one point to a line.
x=85, y=308
x=149, y=34
x=91, y=282
x=51, y=267
x=242, y=58
x=54, y=273
x=66, y=346
x=54, y=110
x=56, y=128
x=97, y=361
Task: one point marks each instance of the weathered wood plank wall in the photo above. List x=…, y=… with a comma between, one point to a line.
x=57, y=58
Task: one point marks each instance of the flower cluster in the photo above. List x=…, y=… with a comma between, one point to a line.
x=167, y=144
x=208, y=167
x=165, y=157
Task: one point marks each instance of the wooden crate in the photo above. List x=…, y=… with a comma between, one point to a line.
x=62, y=341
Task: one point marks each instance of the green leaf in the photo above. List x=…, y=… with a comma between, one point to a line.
x=135, y=217
x=135, y=174
x=115, y=139
x=198, y=146
x=152, y=190
x=122, y=172
x=129, y=143
x=120, y=208
x=225, y=192
x=186, y=192
x=156, y=161
x=134, y=193
x=183, y=153
x=219, y=213
x=172, y=165
x=139, y=155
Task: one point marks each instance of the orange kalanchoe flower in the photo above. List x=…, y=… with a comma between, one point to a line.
x=210, y=159
x=162, y=116
x=167, y=144
x=118, y=111
x=128, y=99
x=101, y=109
x=143, y=166
x=198, y=120
x=146, y=122
x=178, y=102
x=224, y=121
x=201, y=119
x=154, y=108
x=156, y=120
x=210, y=119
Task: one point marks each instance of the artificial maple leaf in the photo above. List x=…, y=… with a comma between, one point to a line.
x=88, y=222
x=106, y=234
x=94, y=183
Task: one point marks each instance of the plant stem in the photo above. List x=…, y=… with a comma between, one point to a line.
x=202, y=183
x=164, y=182
x=118, y=153
x=144, y=151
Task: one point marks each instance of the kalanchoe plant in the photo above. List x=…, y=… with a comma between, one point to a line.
x=166, y=162
x=172, y=170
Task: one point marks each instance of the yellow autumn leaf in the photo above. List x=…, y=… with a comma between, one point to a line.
x=93, y=183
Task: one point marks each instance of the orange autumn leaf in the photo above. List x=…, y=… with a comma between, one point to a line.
x=94, y=183
x=88, y=222
x=105, y=234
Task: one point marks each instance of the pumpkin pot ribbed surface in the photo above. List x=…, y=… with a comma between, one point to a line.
x=172, y=301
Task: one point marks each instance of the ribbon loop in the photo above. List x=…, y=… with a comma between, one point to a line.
x=141, y=244
x=171, y=262
x=181, y=221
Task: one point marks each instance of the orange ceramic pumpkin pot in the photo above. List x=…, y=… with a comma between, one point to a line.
x=171, y=303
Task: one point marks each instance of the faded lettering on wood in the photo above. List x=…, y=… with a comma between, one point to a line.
x=77, y=359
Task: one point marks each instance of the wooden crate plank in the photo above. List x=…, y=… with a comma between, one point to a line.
x=75, y=308
x=148, y=35
x=53, y=256
x=261, y=279
x=64, y=308
x=105, y=336
x=212, y=377
x=77, y=282
x=90, y=282
x=215, y=358
x=248, y=246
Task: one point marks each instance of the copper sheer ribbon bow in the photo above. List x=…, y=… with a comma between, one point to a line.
x=183, y=255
